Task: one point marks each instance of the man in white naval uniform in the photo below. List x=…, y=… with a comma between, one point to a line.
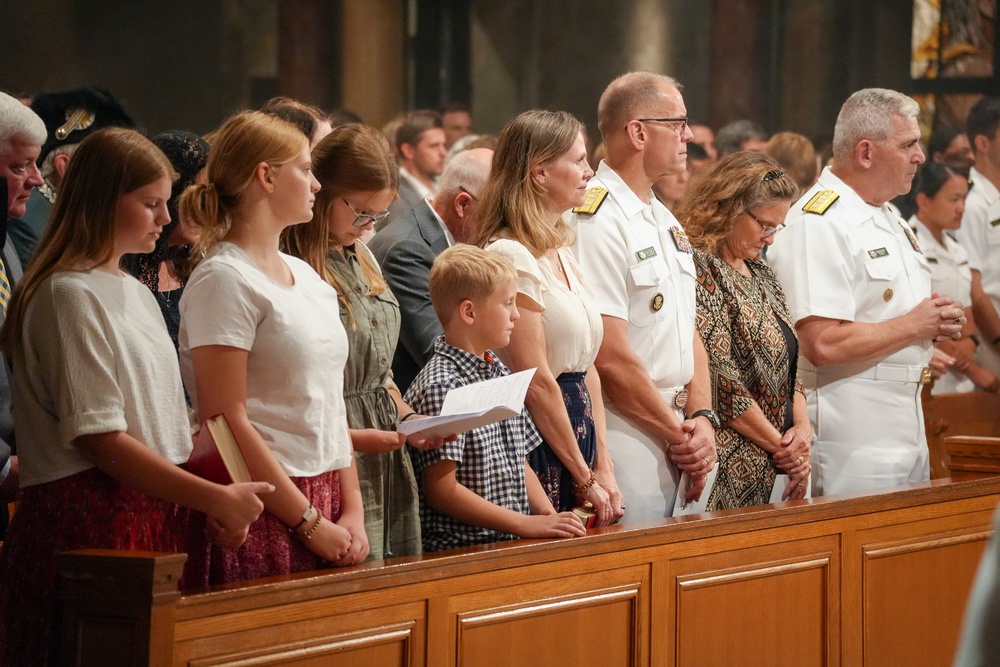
x=638, y=264
x=980, y=230
x=859, y=290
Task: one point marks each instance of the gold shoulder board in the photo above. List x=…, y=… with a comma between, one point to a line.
x=821, y=201
x=595, y=197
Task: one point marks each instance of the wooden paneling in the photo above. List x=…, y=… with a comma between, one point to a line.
x=947, y=415
x=973, y=457
x=860, y=580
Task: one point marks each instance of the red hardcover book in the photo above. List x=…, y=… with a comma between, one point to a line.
x=216, y=455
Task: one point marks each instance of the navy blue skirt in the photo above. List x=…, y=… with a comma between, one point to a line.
x=555, y=478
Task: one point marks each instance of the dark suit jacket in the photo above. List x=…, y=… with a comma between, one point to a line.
x=407, y=201
x=13, y=265
x=405, y=249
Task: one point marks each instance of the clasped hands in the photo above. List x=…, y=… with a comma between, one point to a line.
x=695, y=455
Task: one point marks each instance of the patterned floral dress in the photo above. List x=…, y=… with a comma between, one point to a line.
x=741, y=322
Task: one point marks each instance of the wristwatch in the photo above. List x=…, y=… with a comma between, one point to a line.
x=710, y=415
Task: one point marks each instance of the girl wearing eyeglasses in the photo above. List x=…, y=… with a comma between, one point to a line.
x=730, y=214
x=359, y=179
x=262, y=343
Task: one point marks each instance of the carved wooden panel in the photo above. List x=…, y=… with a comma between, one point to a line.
x=376, y=638
x=903, y=579
x=591, y=619
x=771, y=605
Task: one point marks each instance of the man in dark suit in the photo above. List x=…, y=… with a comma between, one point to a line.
x=407, y=246
x=22, y=134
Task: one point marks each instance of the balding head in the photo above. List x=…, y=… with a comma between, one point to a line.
x=632, y=95
x=459, y=189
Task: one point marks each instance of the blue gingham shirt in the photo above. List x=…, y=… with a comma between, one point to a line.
x=491, y=459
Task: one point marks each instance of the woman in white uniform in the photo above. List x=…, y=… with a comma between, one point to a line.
x=940, y=198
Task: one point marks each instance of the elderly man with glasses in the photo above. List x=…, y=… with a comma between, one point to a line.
x=638, y=263
x=859, y=292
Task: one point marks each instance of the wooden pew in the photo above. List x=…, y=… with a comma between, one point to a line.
x=972, y=457
x=855, y=580
x=946, y=415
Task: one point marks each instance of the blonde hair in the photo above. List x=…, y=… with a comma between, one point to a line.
x=796, y=155
x=735, y=184
x=464, y=272
x=352, y=158
x=512, y=203
x=238, y=147
x=80, y=234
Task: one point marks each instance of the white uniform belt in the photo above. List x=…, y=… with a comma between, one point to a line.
x=676, y=397
x=896, y=373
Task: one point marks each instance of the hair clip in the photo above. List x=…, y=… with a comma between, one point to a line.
x=771, y=175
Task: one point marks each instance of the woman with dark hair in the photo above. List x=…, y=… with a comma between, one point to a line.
x=540, y=171
x=359, y=178
x=939, y=192
x=165, y=270
x=731, y=213
x=102, y=425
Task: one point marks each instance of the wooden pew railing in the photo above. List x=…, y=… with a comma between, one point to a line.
x=972, y=457
x=947, y=415
x=856, y=580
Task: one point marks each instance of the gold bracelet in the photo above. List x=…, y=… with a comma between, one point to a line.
x=582, y=489
x=312, y=529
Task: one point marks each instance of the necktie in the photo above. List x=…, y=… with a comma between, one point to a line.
x=4, y=288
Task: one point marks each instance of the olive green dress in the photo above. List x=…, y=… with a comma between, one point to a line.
x=388, y=485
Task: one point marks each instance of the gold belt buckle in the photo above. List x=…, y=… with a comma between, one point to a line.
x=681, y=399
x=925, y=375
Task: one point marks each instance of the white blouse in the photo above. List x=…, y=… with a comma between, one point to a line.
x=570, y=318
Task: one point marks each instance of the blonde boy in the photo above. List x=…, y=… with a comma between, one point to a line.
x=478, y=488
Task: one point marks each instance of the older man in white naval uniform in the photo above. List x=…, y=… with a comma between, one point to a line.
x=638, y=263
x=859, y=290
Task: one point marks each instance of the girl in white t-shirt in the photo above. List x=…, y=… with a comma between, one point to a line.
x=261, y=342
x=101, y=421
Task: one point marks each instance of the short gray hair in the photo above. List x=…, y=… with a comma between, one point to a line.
x=628, y=96
x=18, y=121
x=467, y=170
x=868, y=114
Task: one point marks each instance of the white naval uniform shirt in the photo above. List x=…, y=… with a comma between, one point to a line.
x=980, y=236
x=638, y=273
x=951, y=275
x=856, y=263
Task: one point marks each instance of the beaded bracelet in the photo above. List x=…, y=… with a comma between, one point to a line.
x=305, y=517
x=312, y=529
x=582, y=489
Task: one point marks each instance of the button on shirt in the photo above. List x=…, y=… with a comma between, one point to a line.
x=491, y=459
x=638, y=273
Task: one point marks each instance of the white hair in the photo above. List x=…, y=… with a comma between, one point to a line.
x=18, y=121
x=469, y=169
x=868, y=114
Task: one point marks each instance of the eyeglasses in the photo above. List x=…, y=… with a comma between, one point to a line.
x=767, y=231
x=683, y=122
x=463, y=189
x=362, y=219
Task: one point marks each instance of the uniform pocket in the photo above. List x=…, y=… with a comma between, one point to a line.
x=648, y=281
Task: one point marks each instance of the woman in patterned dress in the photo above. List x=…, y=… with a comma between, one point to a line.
x=359, y=178
x=731, y=214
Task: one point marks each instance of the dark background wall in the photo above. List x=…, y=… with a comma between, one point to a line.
x=188, y=63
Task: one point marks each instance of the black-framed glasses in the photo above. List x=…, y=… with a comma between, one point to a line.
x=362, y=219
x=683, y=122
x=466, y=191
x=767, y=231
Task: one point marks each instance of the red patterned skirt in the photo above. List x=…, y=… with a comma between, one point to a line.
x=88, y=510
x=269, y=549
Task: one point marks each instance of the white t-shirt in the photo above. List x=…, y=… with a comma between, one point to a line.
x=570, y=318
x=95, y=357
x=297, y=350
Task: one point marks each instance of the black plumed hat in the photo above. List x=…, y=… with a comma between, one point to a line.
x=72, y=115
